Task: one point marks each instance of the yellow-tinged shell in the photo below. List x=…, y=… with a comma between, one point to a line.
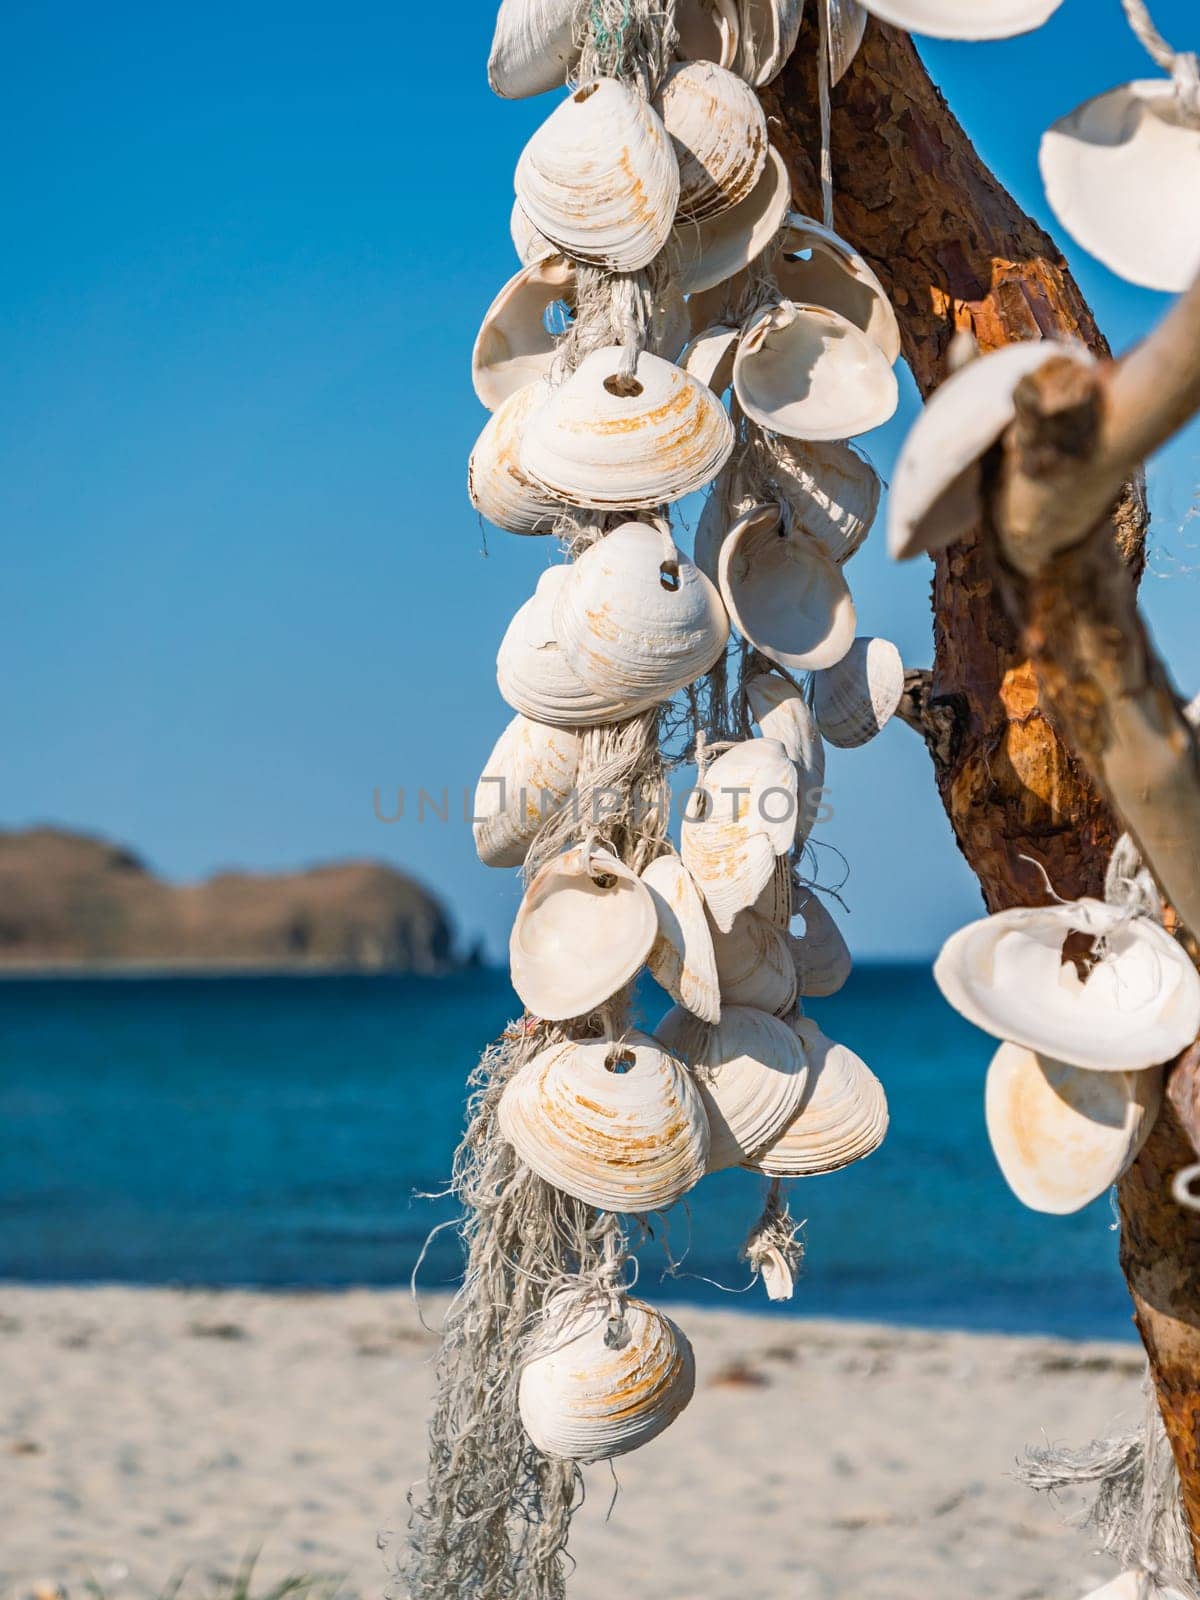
x=514, y=347
x=584, y=929
x=843, y=1117
x=499, y=489
x=754, y=963
x=719, y=131
x=681, y=958
x=528, y=777
x=1063, y=1135
x=739, y=820
x=583, y=1400
x=750, y=1070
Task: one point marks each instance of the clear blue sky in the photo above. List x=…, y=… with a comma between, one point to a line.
x=245, y=253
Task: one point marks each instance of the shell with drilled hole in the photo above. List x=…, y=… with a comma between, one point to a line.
x=782, y=713
x=1123, y=176
x=499, y=489
x=514, y=347
x=843, y=1117
x=583, y=931
x=712, y=251
x=809, y=373
x=584, y=1398
x=611, y=442
x=754, y=963
x=528, y=777
x=751, y=1072
x=533, y=47
x=831, y=491
x=1063, y=1135
x=741, y=816
x=618, y=1125
x=936, y=493
x=857, y=698
x=822, y=957
x=818, y=268
x=600, y=178
x=535, y=677
x=783, y=593
x=719, y=131
x=1084, y=983
x=635, y=618
x=952, y=19
x=682, y=958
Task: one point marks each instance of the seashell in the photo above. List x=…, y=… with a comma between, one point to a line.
x=847, y=21
x=529, y=244
x=528, y=777
x=611, y=442
x=1063, y=1135
x=783, y=593
x=741, y=816
x=843, y=1117
x=856, y=698
x=935, y=495
x=514, y=347
x=808, y=373
x=823, y=960
x=584, y=1398
x=535, y=677
x=818, y=268
x=709, y=357
x=768, y=34
x=600, y=178
x=1015, y=976
x=533, y=48
x=831, y=491
x=635, y=618
x=754, y=963
x=782, y=713
x=499, y=490
x=775, y=902
x=584, y=929
x=1123, y=176
x=708, y=30
x=709, y=252
x=951, y=19
x=671, y=327
x=719, y=131
x=751, y=1072
x=682, y=958
x=620, y=1126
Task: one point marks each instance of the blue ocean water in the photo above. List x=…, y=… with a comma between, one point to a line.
x=277, y=1132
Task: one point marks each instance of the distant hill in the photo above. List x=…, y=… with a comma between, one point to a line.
x=68, y=899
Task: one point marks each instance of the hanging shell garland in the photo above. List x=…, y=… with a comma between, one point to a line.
x=858, y=696
x=714, y=250
x=682, y=958
x=843, y=1117
x=499, y=489
x=807, y=372
x=754, y=963
x=514, y=347
x=819, y=268
x=528, y=777
x=719, y=132
x=584, y=1398
x=739, y=820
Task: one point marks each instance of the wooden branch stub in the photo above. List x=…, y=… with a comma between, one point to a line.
x=938, y=720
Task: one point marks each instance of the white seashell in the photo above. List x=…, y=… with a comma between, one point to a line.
x=514, y=347
x=818, y=268
x=708, y=30
x=584, y=929
x=806, y=372
x=775, y=902
x=739, y=819
x=847, y=24
x=1123, y=176
x=710, y=252
x=855, y=699
x=1063, y=1135
x=1139, y=1006
x=782, y=713
x=754, y=963
x=843, y=1117
x=528, y=777
x=600, y=178
x=776, y=1273
x=783, y=593
x=498, y=488
x=611, y=442
x=529, y=244
x=635, y=618
x=709, y=357
x=935, y=494
x=710, y=535
x=751, y=1073
x=768, y=34
x=719, y=131
x=620, y=1126
x=682, y=959
x=831, y=491
x=584, y=1399
x=823, y=960
x=533, y=48
x=952, y=19
x=535, y=677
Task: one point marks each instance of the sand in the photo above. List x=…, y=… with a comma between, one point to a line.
x=147, y=1431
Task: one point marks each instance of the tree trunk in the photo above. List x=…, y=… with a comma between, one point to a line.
x=957, y=253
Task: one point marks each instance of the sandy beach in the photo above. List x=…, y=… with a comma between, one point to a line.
x=144, y=1432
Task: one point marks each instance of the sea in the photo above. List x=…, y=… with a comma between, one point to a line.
x=289, y=1133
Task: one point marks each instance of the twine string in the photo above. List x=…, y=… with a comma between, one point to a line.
x=1181, y=64
x=823, y=91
